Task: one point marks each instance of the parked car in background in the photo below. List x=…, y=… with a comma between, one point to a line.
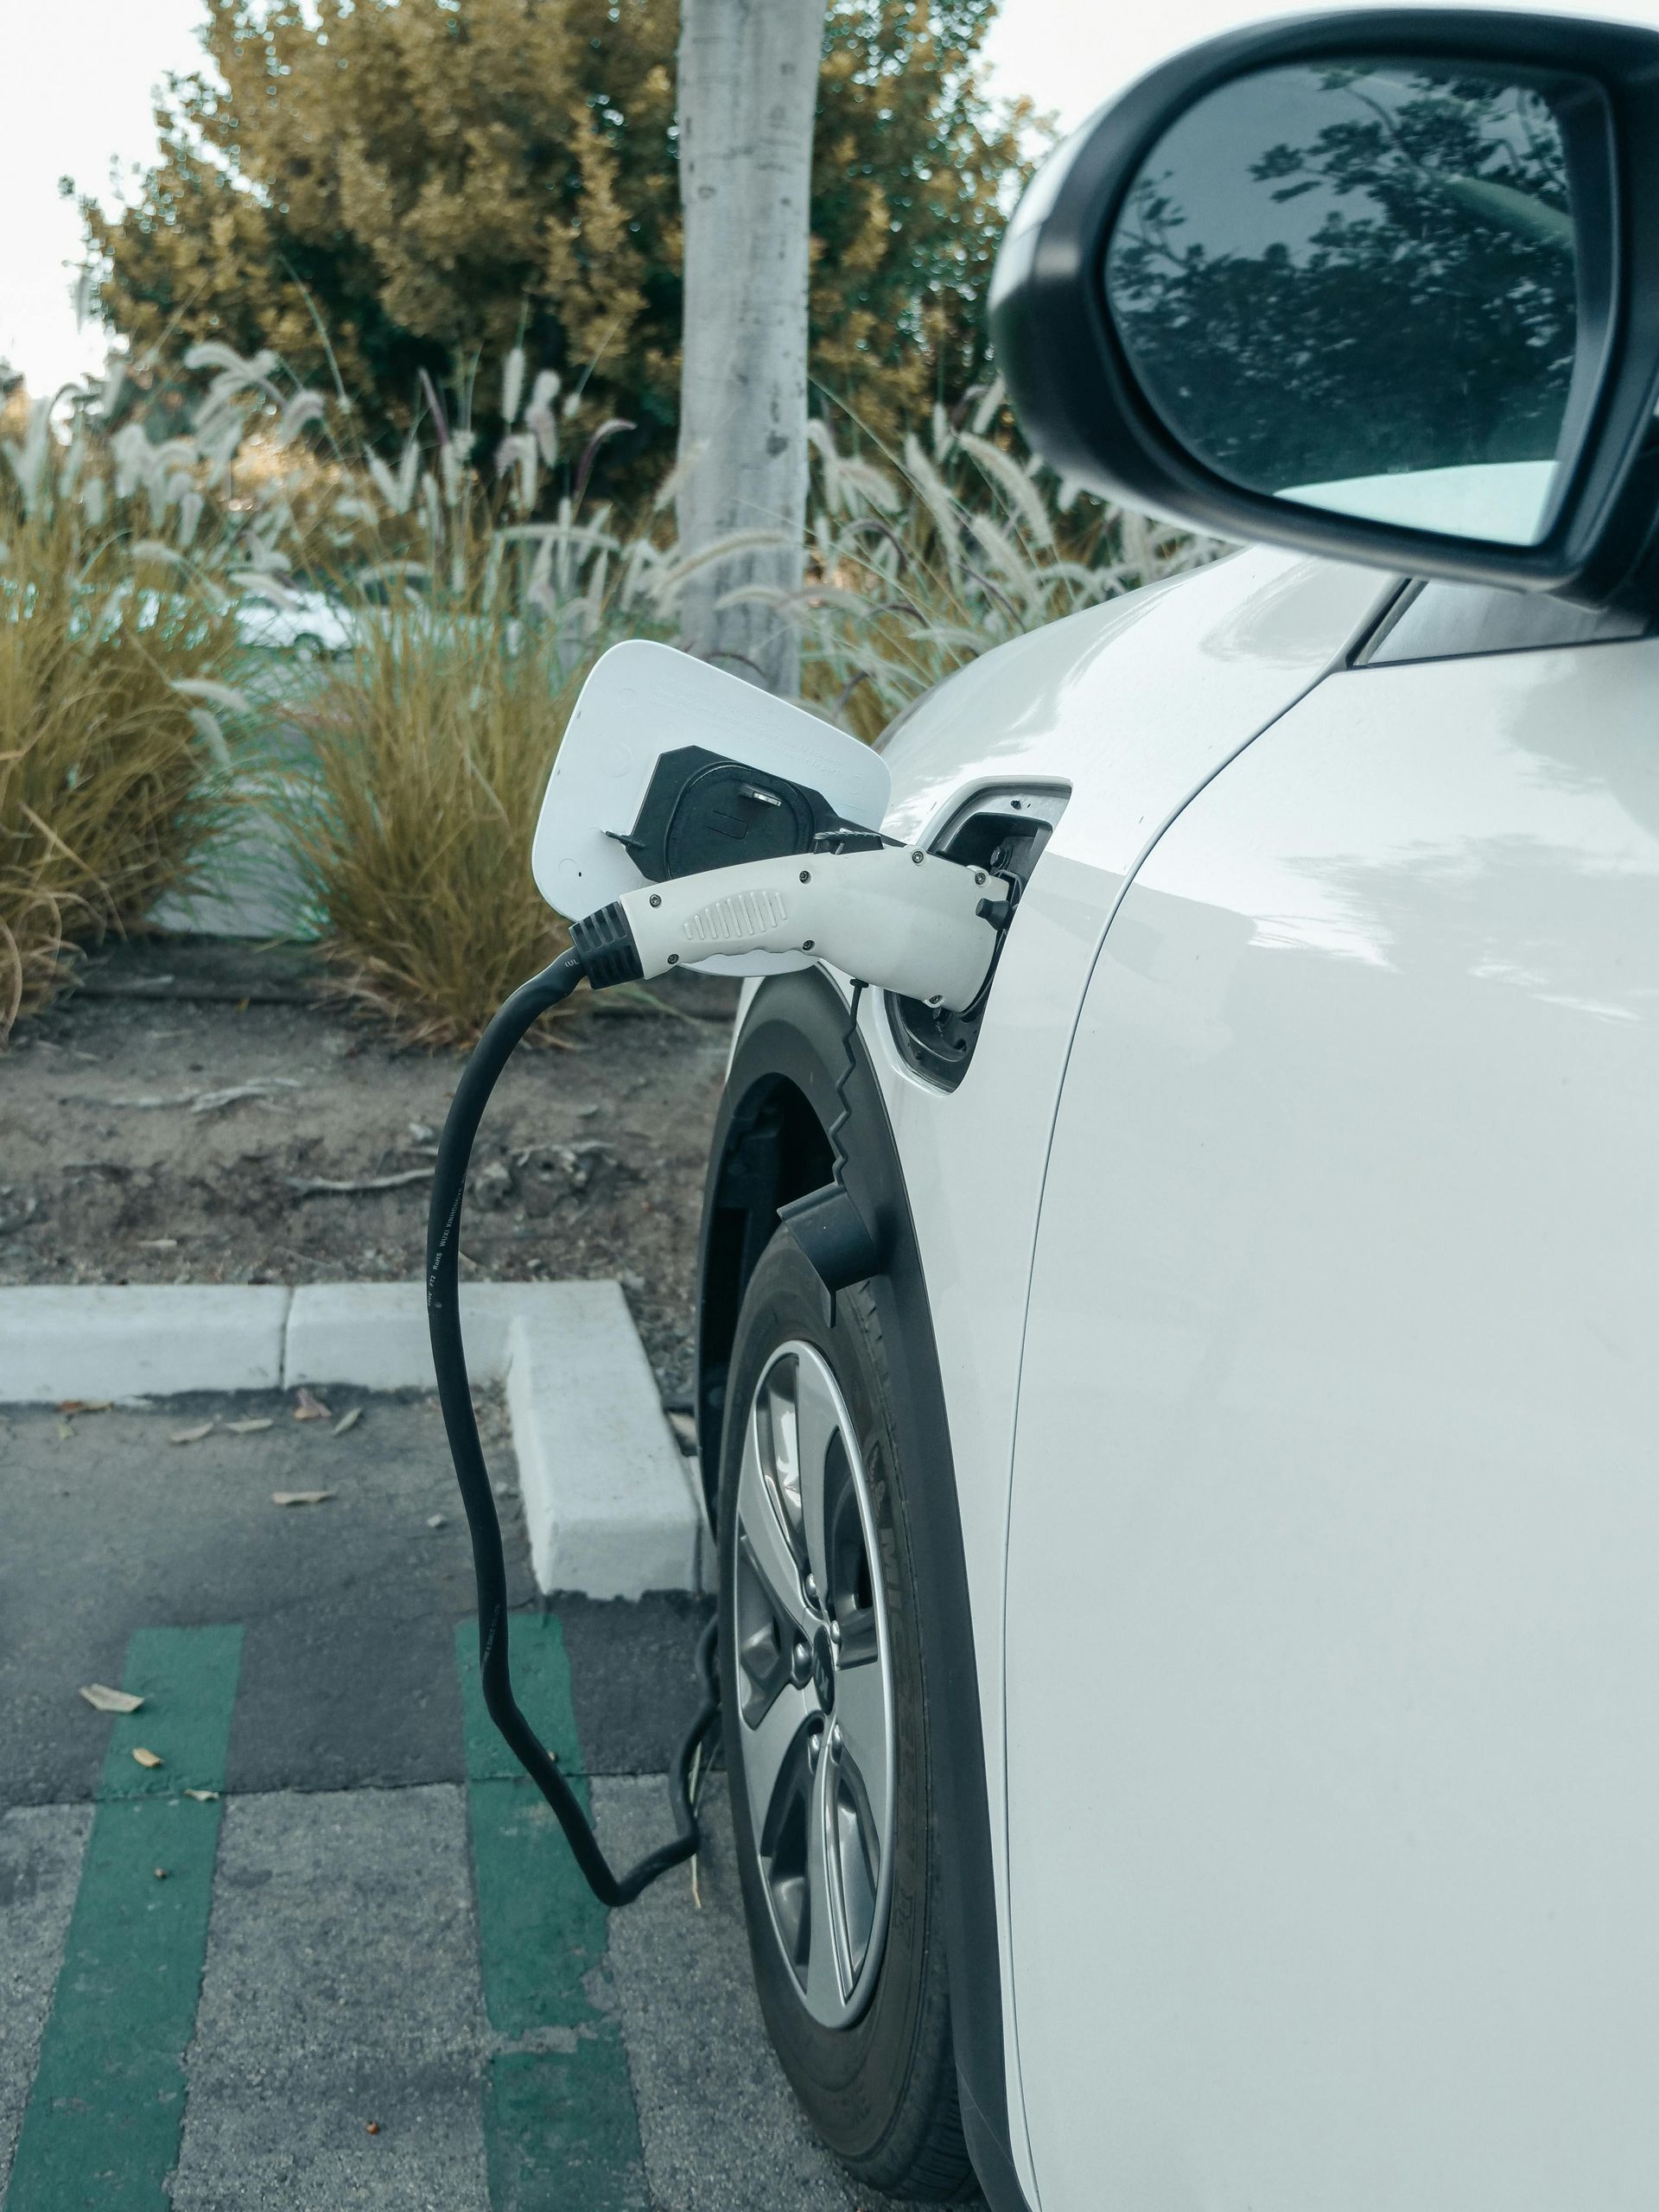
x=317, y=625
x=304, y=621
x=1190, y=1622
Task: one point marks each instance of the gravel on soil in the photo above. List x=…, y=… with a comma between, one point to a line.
x=172, y=1120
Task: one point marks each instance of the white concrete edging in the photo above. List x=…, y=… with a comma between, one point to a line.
x=613, y=1507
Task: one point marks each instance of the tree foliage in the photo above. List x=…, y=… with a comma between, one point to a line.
x=427, y=182
x=913, y=177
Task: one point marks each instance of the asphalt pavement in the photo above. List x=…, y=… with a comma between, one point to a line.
x=321, y=1945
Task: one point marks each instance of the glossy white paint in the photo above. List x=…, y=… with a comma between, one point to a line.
x=1332, y=1637
x=1133, y=706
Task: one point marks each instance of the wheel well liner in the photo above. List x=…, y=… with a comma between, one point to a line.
x=769, y=1147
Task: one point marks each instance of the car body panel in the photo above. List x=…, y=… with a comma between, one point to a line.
x=1133, y=707
x=1331, y=1637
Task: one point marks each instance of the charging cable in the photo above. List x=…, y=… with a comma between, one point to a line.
x=923, y=927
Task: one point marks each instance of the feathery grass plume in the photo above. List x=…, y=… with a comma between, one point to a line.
x=512, y=386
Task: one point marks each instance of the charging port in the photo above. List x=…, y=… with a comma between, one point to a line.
x=1002, y=830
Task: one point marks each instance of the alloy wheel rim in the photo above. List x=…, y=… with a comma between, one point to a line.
x=814, y=1684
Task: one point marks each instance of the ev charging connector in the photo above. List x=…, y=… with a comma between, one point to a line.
x=776, y=815
x=894, y=915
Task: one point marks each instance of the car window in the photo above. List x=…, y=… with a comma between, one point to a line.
x=1437, y=621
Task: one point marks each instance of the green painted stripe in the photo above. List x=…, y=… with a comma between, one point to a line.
x=559, y=2125
x=102, y=2126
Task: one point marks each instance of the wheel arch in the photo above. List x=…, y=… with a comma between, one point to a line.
x=783, y=1090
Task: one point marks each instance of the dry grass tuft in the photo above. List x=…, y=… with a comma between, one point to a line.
x=432, y=742
x=107, y=786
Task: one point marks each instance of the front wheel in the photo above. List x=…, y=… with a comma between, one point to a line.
x=826, y=1734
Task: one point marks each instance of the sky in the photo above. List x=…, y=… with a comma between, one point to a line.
x=81, y=74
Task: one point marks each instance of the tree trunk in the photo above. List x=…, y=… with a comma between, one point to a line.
x=747, y=90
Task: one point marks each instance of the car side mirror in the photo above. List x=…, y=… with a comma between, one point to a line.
x=1381, y=284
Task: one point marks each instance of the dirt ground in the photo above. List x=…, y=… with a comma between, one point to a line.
x=177, y=1119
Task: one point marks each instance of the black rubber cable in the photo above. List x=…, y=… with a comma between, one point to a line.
x=479, y=1078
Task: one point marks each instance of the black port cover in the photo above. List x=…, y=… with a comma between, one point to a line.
x=702, y=810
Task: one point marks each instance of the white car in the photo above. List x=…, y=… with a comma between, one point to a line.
x=312, y=626
x=1190, y=1619
x=304, y=622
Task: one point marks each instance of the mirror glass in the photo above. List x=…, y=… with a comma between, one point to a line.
x=1354, y=285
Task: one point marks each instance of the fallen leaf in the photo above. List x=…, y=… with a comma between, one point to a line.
x=434, y=1519
x=203, y=1797
x=103, y=1698
x=372, y=2128
x=144, y=1758
x=348, y=1420
x=309, y=1407
x=191, y=1435
x=300, y=1497
x=248, y=1428
x=86, y=1405
x=66, y=1430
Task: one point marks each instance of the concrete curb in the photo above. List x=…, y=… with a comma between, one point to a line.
x=613, y=1507
x=135, y=1343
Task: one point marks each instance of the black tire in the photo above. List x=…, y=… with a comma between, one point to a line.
x=882, y=2091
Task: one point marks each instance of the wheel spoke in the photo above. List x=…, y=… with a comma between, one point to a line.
x=768, y=1547
x=865, y=1738
x=766, y=1747
x=818, y=1423
x=827, y=1982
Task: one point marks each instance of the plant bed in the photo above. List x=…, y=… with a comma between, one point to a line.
x=181, y=1117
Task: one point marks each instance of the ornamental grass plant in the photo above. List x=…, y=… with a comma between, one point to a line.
x=430, y=743
x=113, y=755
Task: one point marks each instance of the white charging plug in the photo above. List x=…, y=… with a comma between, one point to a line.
x=896, y=917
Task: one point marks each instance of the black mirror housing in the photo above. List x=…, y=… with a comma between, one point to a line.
x=1086, y=411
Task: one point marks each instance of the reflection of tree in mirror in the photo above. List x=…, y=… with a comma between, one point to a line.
x=1397, y=293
